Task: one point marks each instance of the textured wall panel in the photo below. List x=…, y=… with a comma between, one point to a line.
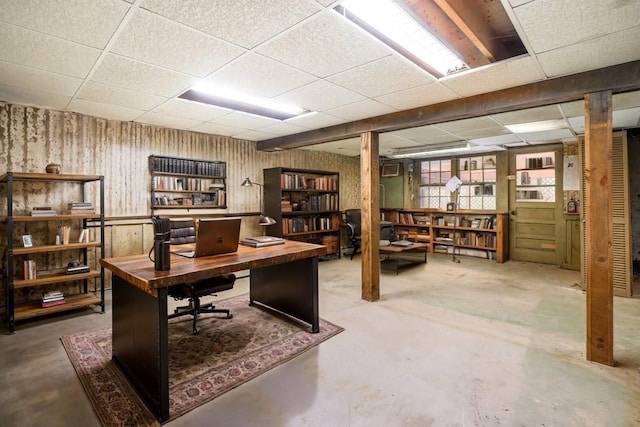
x=30, y=138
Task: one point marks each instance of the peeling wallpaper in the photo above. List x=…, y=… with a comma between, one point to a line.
x=30, y=138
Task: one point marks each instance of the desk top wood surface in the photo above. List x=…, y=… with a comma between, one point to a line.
x=139, y=270
x=398, y=248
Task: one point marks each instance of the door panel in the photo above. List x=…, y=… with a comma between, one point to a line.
x=535, y=204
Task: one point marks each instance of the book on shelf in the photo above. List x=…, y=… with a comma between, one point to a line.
x=52, y=296
x=79, y=208
x=29, y=267
x=46, y=304
x=84, y=236
x=43, y=211
x=64, y=232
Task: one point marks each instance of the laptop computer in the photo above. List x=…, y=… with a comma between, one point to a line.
x=214, y=236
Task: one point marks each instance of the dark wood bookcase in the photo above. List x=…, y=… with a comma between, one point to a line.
x=305, y=205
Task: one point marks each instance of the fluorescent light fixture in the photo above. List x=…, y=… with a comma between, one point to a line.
x=208, y=93
x=394, y=23
x=432, y=150
x=537, y=126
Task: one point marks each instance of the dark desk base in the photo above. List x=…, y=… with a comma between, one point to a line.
x=140, y=328
x=398, y=261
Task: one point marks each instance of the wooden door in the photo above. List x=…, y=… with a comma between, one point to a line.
x=621, y=243
x=536, y=220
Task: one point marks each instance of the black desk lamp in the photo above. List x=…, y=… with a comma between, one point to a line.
x=264, y=220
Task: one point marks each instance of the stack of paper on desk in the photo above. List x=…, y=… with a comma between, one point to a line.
x=260, y=241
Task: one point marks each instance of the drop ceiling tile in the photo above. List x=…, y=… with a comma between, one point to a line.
x=315, y=120
x=159, y=41
x=386, y=75
x=500, y=75
x=255, y=135
x=213, y=128
x=629, y=118
x=112, y=95
x=37, y=50
x=283, y=128
x=168, y=121
x=549, y=135
x=91, y=23
x=572, y=109
x=260, y=76
x=430, y=140
x=577, y=124
x=324, y=45
x=320, y=96
x=33, y=98
x=419, y=132
x=361, y=110
x=468, y=125
x=496, y=140
x=191, y=110
x=538, y=114
x=515, y=3
x=346, y=147
x=553, y=24
x=105, y=111
x=30, y=78
x=483, y=133
x=418, y=96
x=128, y=74
x=608, y=50
x=240, y=22
x=246, y=121
x=626, y=100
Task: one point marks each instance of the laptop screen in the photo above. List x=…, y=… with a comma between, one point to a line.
x=216, y=236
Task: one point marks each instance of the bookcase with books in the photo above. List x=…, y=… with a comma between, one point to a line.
x=52, y=249
x=305, y=205
x=179, y=183
x=478, y=233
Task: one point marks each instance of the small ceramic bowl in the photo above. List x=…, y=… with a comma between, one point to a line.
x=53, y=168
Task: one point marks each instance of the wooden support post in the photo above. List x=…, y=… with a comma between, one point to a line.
x=370, y=211
x=599, y=234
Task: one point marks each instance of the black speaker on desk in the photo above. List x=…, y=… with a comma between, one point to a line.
x=161, y=243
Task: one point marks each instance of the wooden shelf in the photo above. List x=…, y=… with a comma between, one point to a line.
x=54, y=248
x=158, y=190
x=49, y=279
x=430, y=232
x=34, y=308
x=39, y=218
x=188, y=207
x=27, y=176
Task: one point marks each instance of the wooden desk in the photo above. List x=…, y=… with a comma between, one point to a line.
x=283, y=278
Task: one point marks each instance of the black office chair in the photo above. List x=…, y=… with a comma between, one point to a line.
x=354, y=229
x=182, y=232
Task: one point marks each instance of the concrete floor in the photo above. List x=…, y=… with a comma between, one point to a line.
x=470, y=344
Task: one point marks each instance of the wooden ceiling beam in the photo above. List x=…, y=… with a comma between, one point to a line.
x=438, y=23
x=617, y=78
x=475, y=27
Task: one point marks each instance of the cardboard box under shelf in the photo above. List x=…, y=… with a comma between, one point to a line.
x=331, y=243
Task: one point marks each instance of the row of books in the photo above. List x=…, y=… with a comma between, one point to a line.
x=172, y=183
x=43, y=211
x=187, y=166
x=315, y=223
x=81, y=208
x=52, y=298
x=295, y=181
x=213, y=199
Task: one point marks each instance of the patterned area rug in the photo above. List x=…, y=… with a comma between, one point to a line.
x=224, y=354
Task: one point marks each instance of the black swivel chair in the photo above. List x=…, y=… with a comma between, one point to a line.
x=182, y=232
x=354, y=229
